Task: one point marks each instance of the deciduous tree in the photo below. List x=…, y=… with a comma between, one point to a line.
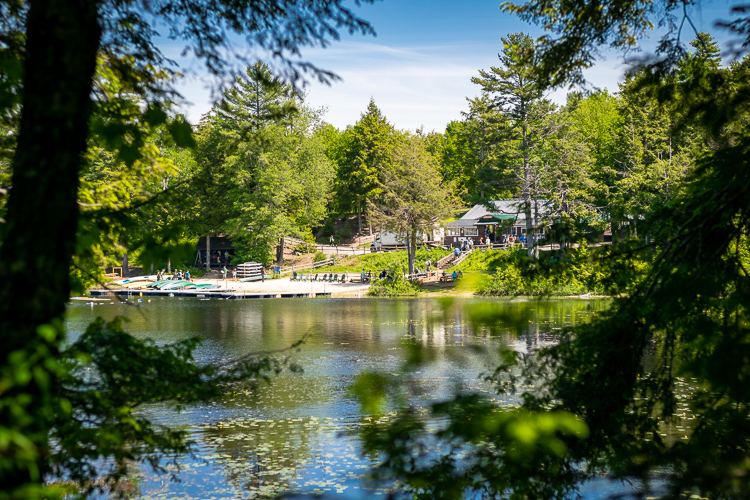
x=412, y=198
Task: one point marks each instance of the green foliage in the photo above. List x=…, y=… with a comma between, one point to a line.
x=394, y=285
x=346, y=231
x=411, y=200
x=362, y=154
x=374, y=261
x=466, y=445
x=579, y=271
x=196, y=272
x=319, y=256
x=328, y=227
x=113, y=118
x=265, y=164
x=106, y=375
x=513, y=90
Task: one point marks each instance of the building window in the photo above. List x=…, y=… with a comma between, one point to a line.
x=471, y=231
x=453, y=231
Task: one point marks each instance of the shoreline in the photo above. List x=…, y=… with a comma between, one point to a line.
x=270, y=288
x=285, y=288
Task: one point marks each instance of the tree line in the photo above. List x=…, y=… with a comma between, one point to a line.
x=265, y=164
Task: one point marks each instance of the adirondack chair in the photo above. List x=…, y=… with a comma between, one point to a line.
x=343, y=278
x=315, y=278
x=294, y=276
x=335, y=278
x=325, y=277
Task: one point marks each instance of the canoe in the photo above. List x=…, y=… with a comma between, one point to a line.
x=177, y=285
x=208, y=286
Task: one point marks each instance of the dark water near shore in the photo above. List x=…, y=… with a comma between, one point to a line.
x=296, y=435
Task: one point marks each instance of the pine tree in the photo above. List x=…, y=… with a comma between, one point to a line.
x=516, y=92
x=364, y=159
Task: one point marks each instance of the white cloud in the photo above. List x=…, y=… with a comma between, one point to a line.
x=413, y=86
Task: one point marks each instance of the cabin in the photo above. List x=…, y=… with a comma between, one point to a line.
x=221, y=248
x=505, y=217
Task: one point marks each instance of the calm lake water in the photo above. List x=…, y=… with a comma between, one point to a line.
x=298, y=435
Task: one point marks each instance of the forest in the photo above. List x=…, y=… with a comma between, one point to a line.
x=265, y=165
x=99, y=166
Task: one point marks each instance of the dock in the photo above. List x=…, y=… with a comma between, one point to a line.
x=208, y=294
x=231, y=290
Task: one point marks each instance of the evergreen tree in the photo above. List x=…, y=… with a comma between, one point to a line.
x=365, y=158
x=476, y=157
x=260, y=151
x=519, y=95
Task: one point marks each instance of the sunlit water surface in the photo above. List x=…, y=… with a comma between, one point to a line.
x=298, y=435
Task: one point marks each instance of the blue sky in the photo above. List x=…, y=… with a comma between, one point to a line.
x=419, y=66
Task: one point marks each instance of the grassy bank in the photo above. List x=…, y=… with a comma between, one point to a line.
x=383, y=260
x=509, y=273
x=577, y=271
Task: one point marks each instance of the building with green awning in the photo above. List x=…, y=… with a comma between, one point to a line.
x=498, y=217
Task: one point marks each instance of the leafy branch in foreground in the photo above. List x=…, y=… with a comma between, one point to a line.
x=466, y=445
x=107, y=375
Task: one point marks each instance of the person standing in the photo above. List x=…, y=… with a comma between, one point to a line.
x=234, y=274
x=224, y=274
x=263, y=273
x=187, y=275
x=331, y=240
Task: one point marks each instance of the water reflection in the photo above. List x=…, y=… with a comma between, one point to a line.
x=294, y=435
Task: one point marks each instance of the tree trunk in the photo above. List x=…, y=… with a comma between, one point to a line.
x=208, y=253
x=527, y=191
x=63, y=37
x=359, y=216
x=535, y=225
x=412, y=254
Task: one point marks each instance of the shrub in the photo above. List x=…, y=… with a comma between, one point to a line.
x=196, y=272
x=576, y=272
x=393, y=286
x=319, y=256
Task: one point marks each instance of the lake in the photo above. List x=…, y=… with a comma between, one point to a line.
x=298, y=435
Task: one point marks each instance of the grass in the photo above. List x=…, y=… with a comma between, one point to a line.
x=383, y=260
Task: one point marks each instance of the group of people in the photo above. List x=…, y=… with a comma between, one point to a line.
x=464, y=247
x=512, y=240
x=178, y=275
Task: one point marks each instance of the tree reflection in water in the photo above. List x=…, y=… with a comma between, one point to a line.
x=298, y=433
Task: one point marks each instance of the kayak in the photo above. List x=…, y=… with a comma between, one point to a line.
x=135, y=278
x=137, y=284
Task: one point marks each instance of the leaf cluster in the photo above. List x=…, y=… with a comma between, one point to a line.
x=107, y=375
